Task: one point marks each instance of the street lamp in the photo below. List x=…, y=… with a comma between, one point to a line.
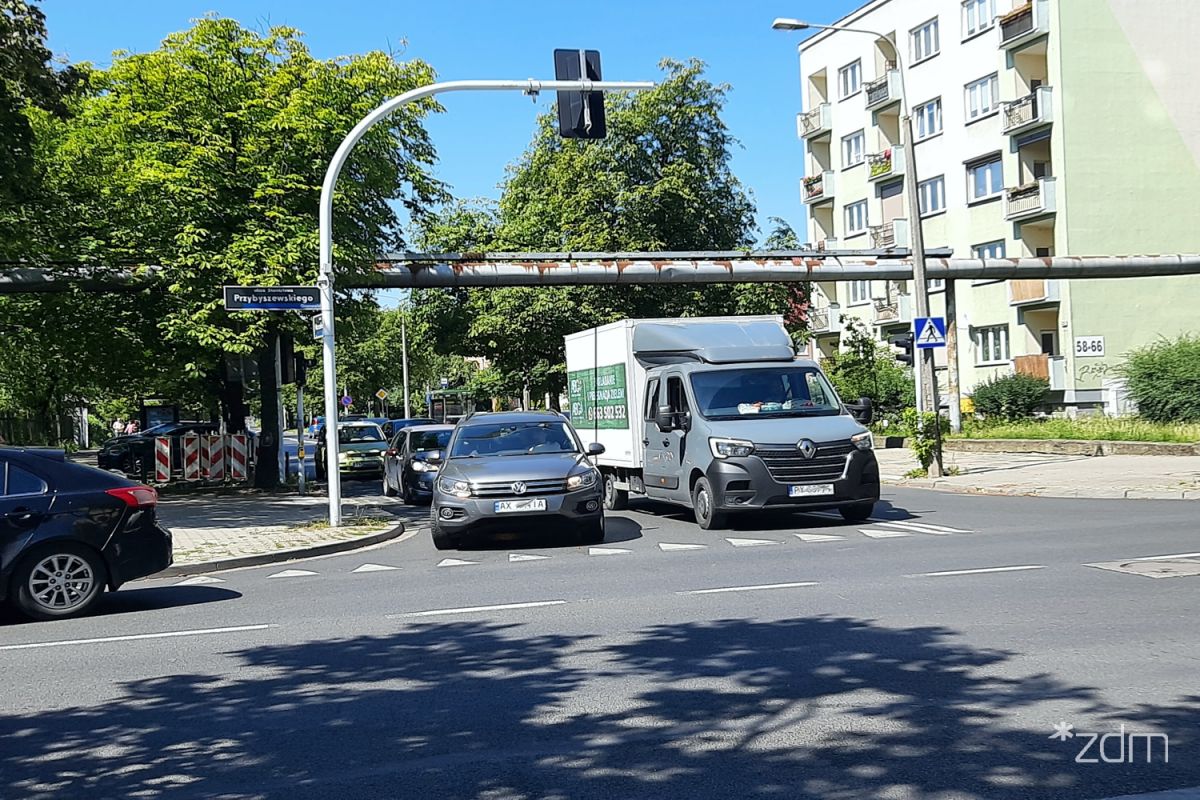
x=926, y=377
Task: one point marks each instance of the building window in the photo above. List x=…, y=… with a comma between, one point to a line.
x=932, y=195
x=991, y=345
x=853, y=149
x=929, y=119
x=856, y=218
x=984, y=179
x=983, y=97
x=978, y=15
x=994, y=249
x=860, y=292
x=925, y=42
x=849, y=79
x=936, y=284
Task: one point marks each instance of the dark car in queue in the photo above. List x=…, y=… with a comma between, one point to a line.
x=69, y=531
x=134, y=454
x=394, y=426
x=361, y=448
x=412, y=462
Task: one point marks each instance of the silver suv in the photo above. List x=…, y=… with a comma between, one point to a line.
x=514, y=469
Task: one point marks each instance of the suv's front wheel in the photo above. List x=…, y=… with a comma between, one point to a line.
x=592, y=531
x=442, y=539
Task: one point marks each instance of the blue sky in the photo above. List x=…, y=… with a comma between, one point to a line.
x=480, y=133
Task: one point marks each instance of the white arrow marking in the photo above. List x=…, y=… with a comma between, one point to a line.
x=524, y=557
x=607, y=551
x=455, y=562
x=877, y=534
x=292, y=573
x=198, y=580
x=818, y=537
x=750, y=542
x=667, y=546
x=921, y=527
x=374, y=568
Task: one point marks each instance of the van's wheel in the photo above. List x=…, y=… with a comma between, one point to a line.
x=707, y=515
x=60, y=580
x=592, y=531
x=614, y=499
x=857, y=512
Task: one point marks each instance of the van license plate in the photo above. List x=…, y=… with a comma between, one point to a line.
x=517, y=506
x=811, y=490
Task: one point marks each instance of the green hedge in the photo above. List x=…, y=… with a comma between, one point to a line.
x=1164, y=379
x=1010, y=397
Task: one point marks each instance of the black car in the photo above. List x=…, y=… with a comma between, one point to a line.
x=393, y=426
x=134, y=454
x=68, y=531
x=411, y=462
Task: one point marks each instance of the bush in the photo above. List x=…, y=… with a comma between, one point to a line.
x=867, y=368
x=923, y=434
x=1010, y=397
x=1164, y=379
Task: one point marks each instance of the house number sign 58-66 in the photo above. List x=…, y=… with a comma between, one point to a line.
x=1089, y=346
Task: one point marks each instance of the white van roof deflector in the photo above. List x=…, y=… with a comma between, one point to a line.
x=712, y=342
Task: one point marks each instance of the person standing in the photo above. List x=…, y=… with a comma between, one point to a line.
x=118, y=427
x=131, y=428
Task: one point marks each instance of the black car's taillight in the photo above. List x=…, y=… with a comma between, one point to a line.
x=136, y=496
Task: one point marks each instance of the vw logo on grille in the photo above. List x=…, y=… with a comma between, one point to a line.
x=519, y=487
x=807, y=448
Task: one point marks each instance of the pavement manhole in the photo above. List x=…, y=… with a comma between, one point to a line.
x=1162, y=568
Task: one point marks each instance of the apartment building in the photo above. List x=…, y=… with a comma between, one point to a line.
x=1043, y=128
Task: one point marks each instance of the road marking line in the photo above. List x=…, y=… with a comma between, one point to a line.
x=292, y=573
x=198, y=581
x=818, y=537
x=878, y=534
x=524, y=557
x=751, y=542
x=471, y=609
x=455, y=562
x=607, y=551
x=374, y=568
x=977, y=571
x=136, y=636
x=923, y=527
x=724, y=589
x=668, y=546
x=1161, y=558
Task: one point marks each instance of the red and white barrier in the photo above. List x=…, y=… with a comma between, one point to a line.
x=239, y=455
x=215, y=458
x=162, y=459
x=190, y=448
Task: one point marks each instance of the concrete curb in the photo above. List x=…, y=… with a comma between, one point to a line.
x=1060, y=447
x=329, y=548
x=943, y=485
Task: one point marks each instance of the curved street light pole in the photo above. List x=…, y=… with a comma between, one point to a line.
x=325, y=279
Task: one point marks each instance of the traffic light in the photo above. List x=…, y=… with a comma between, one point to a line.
x=904, y=341
x=580, y=114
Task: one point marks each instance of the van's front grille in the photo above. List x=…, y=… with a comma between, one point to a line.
x=788, y=465
x=505, y=488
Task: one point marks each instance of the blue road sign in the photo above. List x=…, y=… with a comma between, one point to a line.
x=347, y=400
x=272, y=298
x=929, y=332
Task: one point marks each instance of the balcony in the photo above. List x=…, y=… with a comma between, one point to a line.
x=817, y=188
x=889, y=235
x=895, y=309
x=1052, y=369
x=1029, y=112
x=1033, y=292
x=816, y=123
x=826, y=319
x=883, y=91
x=1024, y=24
x=886, y=164
x=1030, y=200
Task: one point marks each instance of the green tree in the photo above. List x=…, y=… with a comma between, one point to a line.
x=866, y=368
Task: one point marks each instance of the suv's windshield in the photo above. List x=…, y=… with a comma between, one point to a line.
x=429, y=440
x=514, y=439
x=776, y=391
x=348, y=434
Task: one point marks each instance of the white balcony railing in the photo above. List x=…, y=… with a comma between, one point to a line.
x=1030, y=200
x=890, y=234
x=883, y=90
x=885, y=164
x=814, y=123
x=825, y=319
x=817, y=188
x=1026, y=292
x=1035, y=108
x=895, y=308
x=1024, y=23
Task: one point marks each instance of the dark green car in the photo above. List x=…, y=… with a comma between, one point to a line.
x=361, y=449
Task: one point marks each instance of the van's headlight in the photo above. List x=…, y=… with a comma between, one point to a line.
x=454, y=487
x=863, y=441
x=730, y=448
x=581, y=480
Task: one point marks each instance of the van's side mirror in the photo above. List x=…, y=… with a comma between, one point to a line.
x=664, y=419
x=863, y=410
x=595, y=449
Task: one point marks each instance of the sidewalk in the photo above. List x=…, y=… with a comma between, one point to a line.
x=1143, y=477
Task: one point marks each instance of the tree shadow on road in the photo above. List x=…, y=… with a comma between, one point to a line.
x=827, y=707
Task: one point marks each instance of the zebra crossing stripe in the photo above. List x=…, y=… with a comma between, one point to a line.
x=524, y=557
x=668, y=546
x=877, y=534
x=922, y=527
x=751, y=542
x=818, y=537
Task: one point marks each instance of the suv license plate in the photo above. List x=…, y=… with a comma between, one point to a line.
x=811, y=490
x=510, y=506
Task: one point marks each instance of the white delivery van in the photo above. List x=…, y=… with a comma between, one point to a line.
x=719, y=415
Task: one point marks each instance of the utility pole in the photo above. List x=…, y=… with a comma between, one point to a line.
x=404, y=357
x=952, y=385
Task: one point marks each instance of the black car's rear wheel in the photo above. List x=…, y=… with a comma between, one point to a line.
x=59, y=580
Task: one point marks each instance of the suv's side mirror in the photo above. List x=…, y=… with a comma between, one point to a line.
x=863, y=410
x=664, y=419
x=595, y=449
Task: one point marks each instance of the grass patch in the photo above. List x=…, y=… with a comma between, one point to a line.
x=1124, y=429
x=916, y=472
x=347, y=522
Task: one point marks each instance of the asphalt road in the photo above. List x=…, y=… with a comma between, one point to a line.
x=792, y=657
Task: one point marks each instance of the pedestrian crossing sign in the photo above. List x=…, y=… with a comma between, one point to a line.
x=929, y=332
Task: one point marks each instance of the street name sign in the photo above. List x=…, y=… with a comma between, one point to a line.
x=272, y=298
x=929, y=332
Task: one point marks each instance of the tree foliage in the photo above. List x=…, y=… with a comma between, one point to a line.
x=865, y=368
x=1010, y=397
x=1164, y=379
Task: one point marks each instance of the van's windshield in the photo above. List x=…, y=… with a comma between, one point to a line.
x=771, y=391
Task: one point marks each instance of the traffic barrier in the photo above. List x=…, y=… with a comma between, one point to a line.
x=162, y=459
x=216, y=457
x=191, y=457
x=239, y=453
